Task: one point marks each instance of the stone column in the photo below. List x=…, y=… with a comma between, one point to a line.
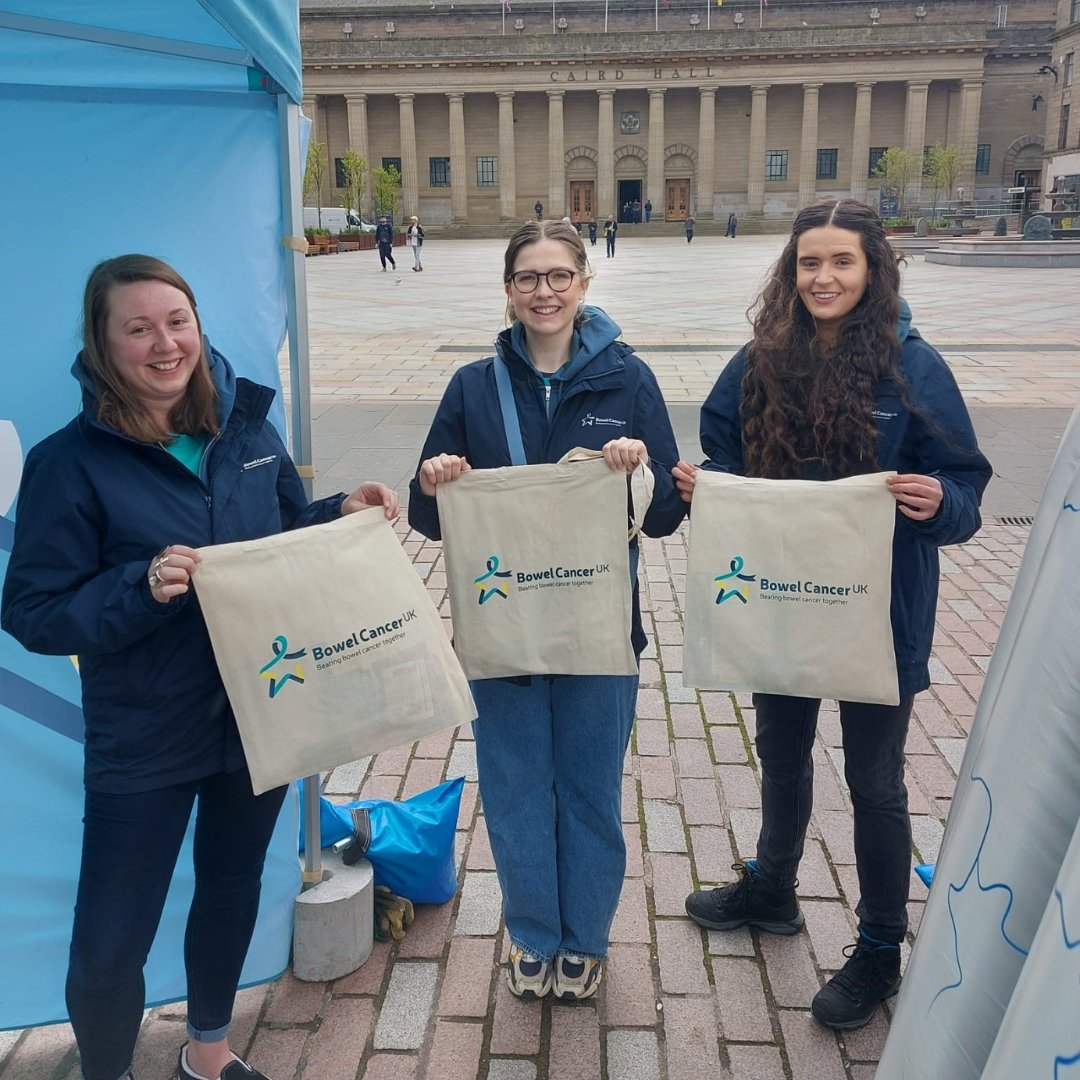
x=410, y=182
x=970, y=108
x=860, y=140
x=556, y=203
x=755, y=183
x=605, y=155
x=808, y=147
x=356, y=106
x=706, y=153
x=507, y=171
x=915, y=138
x=654, y=184
x=459, y=178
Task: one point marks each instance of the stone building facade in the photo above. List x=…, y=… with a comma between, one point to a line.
x=1062, y=119
x=696, y=107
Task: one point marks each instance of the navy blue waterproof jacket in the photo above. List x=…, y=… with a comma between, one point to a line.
x=94, y=509
x=936, y=440
x=603, y=392
x=384, y=233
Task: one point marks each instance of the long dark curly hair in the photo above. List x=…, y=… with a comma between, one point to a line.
x=808, y=403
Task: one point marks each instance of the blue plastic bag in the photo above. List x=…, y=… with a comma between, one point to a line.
x=411, y=845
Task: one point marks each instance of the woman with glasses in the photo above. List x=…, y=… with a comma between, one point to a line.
x=550, y=748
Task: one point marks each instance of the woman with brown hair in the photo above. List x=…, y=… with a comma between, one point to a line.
x=835, y=383
x=550, y=748
x=170, y=452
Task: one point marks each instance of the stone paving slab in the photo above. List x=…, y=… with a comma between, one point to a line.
x=677, y=1003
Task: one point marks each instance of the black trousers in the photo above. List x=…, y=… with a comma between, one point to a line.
x=874, y=737
x=130, y=847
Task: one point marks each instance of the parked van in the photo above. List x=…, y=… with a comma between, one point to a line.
x=335, y=218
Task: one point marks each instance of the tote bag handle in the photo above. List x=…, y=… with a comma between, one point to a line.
x=642, y=483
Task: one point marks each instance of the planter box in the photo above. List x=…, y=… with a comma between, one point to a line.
x=899, y=230
x=358, y=241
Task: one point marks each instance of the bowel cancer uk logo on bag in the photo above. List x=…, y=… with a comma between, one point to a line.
x=736, y=585
x=498, y=582
x=284, y=666
x=494, y=582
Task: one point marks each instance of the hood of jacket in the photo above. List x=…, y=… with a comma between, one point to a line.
x=221, y=375
x=597, y=332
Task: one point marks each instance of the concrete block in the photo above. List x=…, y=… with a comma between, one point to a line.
x=334, y=928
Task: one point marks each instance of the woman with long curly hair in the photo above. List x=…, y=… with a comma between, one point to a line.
x=835, y=383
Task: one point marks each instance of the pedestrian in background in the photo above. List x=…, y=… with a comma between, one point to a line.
x=689, y=226
x=539, y=208
x=592, y=231
x=836, y=383
x=384, y=237
x=611, y=227
x=415, y=236
x=550, y=748
x=648, y=211
x=732, y=224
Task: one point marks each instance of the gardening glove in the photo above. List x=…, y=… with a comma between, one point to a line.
x=393, y=914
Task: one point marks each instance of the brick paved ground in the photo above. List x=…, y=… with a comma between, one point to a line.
x=677, y=1003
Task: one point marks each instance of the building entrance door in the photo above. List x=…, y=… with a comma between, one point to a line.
x=582, y=205
x=677, y=200
x=629, y=193
x=1030, y=179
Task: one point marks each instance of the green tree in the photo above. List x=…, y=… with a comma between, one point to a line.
x=315, y=174
x=386, y=190
x=354, y=168
x=897, y=168
x=949, y=162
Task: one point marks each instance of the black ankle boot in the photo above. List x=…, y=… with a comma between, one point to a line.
x=848, y=1000
x=750, y=901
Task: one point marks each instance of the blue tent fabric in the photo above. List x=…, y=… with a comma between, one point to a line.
x=119, y=144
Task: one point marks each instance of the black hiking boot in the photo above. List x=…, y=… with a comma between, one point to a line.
x=848, y=1000
x=750, y=901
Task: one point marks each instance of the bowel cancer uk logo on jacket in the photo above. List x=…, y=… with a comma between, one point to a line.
x=284, y=666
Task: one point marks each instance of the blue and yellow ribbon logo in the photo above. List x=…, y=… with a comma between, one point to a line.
x=280, y=647
x=496, y=588
x=731, y=589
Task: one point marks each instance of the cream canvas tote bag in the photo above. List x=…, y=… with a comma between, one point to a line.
x=329, y=646
x=538, y=567
x=788, y=587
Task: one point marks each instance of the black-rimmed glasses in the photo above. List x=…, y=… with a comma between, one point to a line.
x=526, y=281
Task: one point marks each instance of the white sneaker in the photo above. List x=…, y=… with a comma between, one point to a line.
x=528, y=976
x=577, y=977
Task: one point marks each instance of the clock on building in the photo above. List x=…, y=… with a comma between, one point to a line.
x=630, y=122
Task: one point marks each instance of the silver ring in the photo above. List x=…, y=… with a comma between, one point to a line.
x=162, y=559
x=154, y=579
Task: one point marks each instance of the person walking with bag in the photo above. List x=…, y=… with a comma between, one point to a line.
x=171, y=451
x=550, y=748
x=415, y=236
x=836, y=383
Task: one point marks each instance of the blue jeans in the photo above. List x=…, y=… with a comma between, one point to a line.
x=874, y=737
x=130, y=847
x=550, y=757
